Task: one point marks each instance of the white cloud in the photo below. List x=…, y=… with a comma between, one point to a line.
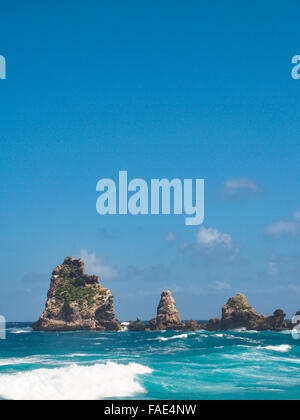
x=94, y=265
x=210, y=244
x=241, y=188
x=211, y=238
x=220, y=286
x=284, y=227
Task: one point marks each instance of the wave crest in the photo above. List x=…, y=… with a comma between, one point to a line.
x=284, y=348
x=20, y=330
x=75, y=382
x=175, y=337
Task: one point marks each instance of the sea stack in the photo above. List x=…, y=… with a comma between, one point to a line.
x=237, y=313
x=77, y=301
x=168, y=317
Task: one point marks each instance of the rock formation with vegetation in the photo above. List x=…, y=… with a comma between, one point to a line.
x=77, y=301
x=237, y=313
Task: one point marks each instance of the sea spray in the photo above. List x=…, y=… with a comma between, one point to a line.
x=75, y=383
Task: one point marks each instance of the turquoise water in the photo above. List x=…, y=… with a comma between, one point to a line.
x=149, y=365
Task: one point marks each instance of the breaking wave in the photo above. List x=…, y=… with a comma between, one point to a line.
x=284, y=348
x=75, y=382
x=124, y=326
x=175, y=337
x=20, y=330
x=31, y=360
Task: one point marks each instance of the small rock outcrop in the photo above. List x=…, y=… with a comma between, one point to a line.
x=191, y=326
x=136, y=326
x=77, y=301
x=276, y=322
x=237, y=313
x=168, y=317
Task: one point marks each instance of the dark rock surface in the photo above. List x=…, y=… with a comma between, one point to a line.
x=237, y=313
x=168, y=317
x=77, y=301
x=276, y=322
x=136, y=326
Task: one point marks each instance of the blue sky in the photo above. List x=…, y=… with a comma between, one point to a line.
x=160, y=89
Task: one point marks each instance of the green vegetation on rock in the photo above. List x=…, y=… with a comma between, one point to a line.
x=239, y=303
x=77, y=301
x=72, y=288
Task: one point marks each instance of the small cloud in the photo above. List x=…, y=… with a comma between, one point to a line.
x=211, y=244
x=95, y=265
x=170, y=237
x=212, y=238
x=284, y=228
x=220, y=286
x=239, y=189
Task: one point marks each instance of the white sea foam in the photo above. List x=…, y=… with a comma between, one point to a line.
x=246, y=339
x=97, y=339
x=124, y=326
x=75, y=382
x=79, y=355
x=14, y=361
x=175, y=337
x=284, y=348
x=244, y=330
x=20, y=330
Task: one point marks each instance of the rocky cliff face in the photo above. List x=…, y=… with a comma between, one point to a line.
x=168, y=317
x=237, y=313
x=77, y=301
x=167, y=313
x=276, y=322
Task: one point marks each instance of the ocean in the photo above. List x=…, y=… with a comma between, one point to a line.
x=149, y=365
